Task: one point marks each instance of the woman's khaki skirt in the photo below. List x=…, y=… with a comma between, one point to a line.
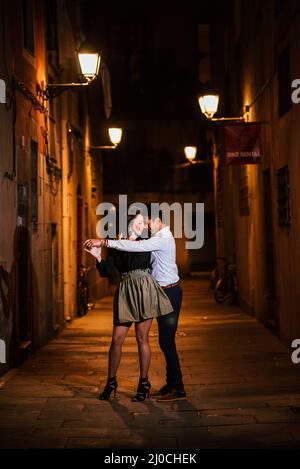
x=139, y=297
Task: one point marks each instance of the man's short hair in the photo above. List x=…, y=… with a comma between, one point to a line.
x=154, y=214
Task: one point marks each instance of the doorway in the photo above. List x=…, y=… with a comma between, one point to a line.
x=23, y=313
x=55, y=278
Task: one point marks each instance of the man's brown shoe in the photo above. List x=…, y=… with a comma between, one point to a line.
x=172, y=396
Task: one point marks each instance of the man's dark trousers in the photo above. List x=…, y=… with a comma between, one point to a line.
x=167, y=327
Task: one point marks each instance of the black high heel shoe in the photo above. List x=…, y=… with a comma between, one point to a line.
x=143, y=390
x=110, y=386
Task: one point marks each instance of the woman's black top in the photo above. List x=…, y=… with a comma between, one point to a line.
x=123, y=261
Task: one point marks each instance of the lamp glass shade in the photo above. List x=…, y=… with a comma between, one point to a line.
x=190, y=153
x=209, y=104
x=115, y=135
x=89, y=64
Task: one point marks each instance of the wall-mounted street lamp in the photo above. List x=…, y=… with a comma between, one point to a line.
x=190, y=153
x=209, y=105
x=89, y=66
x=115, y=135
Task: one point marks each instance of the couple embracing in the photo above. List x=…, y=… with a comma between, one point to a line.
x=149, y=288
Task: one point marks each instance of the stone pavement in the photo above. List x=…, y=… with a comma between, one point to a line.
x=243, y=390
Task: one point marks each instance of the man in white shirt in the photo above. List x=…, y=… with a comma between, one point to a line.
x=165, y=271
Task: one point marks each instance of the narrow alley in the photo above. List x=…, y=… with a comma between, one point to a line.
x=243, y=390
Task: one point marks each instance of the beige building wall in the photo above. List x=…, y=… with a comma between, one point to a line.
x=8, y=191
x=81, y=185
x=39, y=257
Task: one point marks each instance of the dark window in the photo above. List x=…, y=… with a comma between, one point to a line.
x=28, y=25
x=244, y=199
x=52, y=129
x=278, y=6
x=284, y=82
x=52, y=139
x=283, y=196
x=204, y=53
x=34, y=182
x=239, y=74
x=23, y=204
x=54, y=135
x=51, y=26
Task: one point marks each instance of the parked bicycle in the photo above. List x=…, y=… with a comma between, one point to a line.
x=227, y=286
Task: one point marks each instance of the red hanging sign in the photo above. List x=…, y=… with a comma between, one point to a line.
x=243, y=143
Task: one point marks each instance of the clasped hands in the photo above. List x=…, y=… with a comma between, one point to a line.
x=93, y=246
x=95, y=243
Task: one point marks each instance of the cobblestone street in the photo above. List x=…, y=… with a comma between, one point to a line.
x=243, y=390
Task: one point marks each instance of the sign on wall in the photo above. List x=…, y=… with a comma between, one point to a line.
x=243, y=143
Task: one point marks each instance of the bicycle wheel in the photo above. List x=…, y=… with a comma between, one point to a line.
x=221, y=293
